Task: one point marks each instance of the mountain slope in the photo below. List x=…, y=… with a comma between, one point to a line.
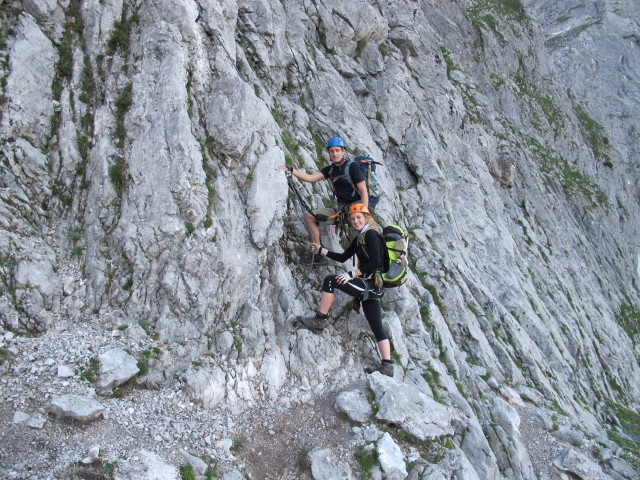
x=143, y=194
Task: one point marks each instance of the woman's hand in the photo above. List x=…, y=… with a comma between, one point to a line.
x=344, y=277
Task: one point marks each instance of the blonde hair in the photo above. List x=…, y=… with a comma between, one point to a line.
x=371, y=221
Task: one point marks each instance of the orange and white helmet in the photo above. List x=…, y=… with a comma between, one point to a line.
x=358, y=208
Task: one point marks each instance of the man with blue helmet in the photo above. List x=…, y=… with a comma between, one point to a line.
x=342, y=187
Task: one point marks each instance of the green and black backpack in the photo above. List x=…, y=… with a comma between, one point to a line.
x=396, y=243
x=395, y=255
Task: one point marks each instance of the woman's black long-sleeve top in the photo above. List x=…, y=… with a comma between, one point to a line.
x=370, y=257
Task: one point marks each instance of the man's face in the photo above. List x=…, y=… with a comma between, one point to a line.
x=336, y=154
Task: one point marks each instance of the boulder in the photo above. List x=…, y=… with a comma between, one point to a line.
x=116, y=368
x=410, y=409
x=78, y=407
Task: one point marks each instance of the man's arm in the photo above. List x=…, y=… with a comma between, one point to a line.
x=306, y=177
x=364, y=192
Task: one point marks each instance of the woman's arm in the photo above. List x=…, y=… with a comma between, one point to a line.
x=344, y=256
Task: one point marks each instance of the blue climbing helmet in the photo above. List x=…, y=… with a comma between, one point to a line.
x=335, y=142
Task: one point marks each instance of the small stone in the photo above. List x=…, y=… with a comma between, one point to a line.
x=64, y=371
x=36, y=421
x=20, y=417
x=92, y=455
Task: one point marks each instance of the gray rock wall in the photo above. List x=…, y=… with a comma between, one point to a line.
x=143, y=146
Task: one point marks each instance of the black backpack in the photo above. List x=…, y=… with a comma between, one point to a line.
x=368, y=166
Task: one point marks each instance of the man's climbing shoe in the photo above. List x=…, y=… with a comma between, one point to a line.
x=316, y=322
x=385, y=368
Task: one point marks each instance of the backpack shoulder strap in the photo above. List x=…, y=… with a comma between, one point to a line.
x=361, y=240
x=347, y=175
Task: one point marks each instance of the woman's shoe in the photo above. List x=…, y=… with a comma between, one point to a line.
x=385, y=368
x=316, y=322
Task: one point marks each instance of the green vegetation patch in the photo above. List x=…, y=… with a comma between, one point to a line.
x=367, y=458
x=566, y=37
x=629, y=319
x=426, y=317
x=320, y=147
x=117, y=174
x=594, y=134
x=432, y=450
x=123, y=103
x=448, y=59
x=143, y=366
x=121, y=34
x=486, y=12
x=629, y=436
x=209, y=148
x=87, y=82
x=573, y=181
x=293, y=158
x=509, y=9
x=551, y=111
x=187, y=473
x=432, y=377
x=89, y=372
x=436, y=298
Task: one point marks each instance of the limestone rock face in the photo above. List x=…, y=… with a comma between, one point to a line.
x=142, y=186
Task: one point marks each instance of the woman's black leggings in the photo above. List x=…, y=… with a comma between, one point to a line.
x=358, y=288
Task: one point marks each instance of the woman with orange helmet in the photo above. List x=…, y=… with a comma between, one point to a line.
x=367, y=246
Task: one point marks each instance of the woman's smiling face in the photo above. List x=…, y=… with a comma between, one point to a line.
x=358, y=220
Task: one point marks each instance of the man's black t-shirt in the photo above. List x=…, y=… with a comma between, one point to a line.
x=344, y=190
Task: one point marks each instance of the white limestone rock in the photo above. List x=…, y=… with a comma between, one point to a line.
x=147, y=465
x=326, y=466
x=391, y=458
x=410, y=409
x=355, y=404
x=78, y=407
x=116, y=368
